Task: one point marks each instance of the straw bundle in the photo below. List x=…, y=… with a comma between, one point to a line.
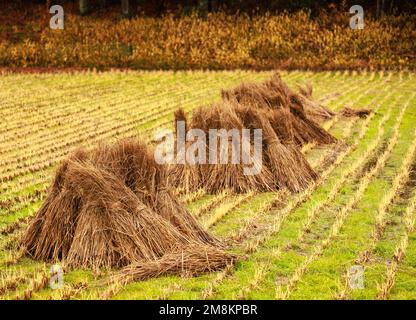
x=350, y=112
x=112, y=208
x=280, y=165
x=299, y=120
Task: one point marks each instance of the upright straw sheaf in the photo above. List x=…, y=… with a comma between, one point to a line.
x=281, y=121
x=288, y=166
x=306, y=90
x=112, y=208
x=134, y=163
x=113, y=230
x=274, y=94
x=212, y=177
x=179, y=174
x=180, y=115
x=313, y=109
x=280, y=165
x=45, y=237
x=219, y=176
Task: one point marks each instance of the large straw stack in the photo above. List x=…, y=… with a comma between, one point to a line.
x=287, y=119
x=282, y=165
x=112, y=208
x=292, y=115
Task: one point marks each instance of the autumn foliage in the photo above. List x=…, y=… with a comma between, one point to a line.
x=217, y=41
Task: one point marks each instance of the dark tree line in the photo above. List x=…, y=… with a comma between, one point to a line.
x=159, y=7
x=131, y=7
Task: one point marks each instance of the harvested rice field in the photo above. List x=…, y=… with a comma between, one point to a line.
x=357, y=215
